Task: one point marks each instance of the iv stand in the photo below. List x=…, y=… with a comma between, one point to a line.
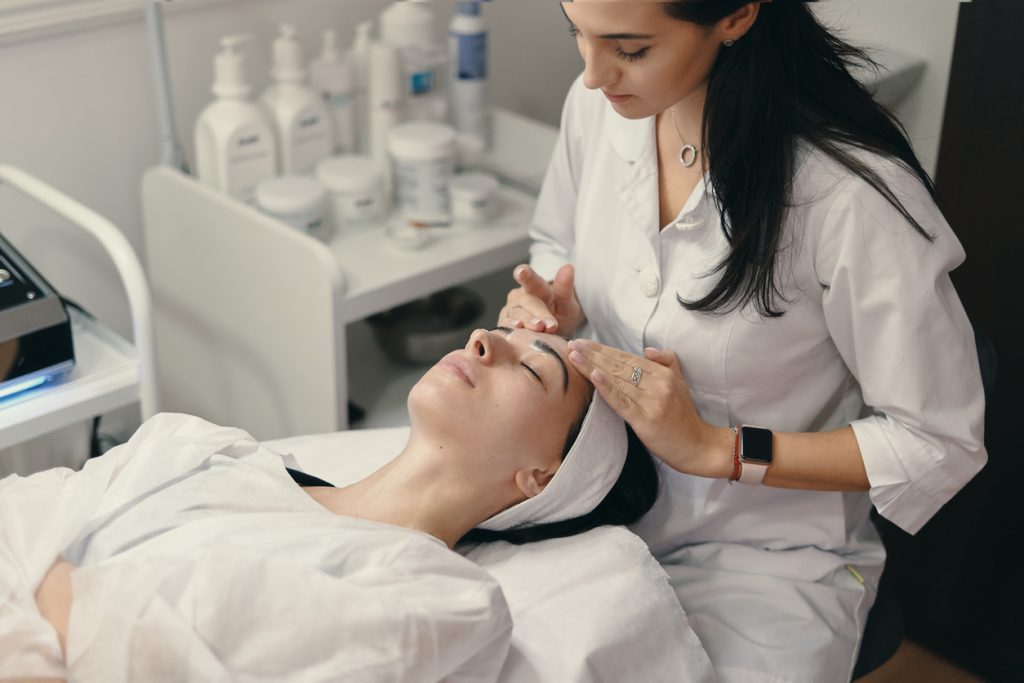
x=171, y=152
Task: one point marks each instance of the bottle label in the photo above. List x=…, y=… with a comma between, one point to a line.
x=470, y=56
x=310, y=141
x=250, y=161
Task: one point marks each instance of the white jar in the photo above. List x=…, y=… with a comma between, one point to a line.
x=474, y=197
x=299, y=201
x=423, y=162
x=356, y=188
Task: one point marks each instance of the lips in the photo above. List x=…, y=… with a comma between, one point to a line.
x=616, y=98
x=459, y=367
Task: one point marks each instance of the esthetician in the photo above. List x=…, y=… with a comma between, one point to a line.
x=755, y=254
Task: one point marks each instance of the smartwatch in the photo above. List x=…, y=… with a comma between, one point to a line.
x=755, y=452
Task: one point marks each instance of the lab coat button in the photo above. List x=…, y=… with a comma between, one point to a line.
x=649, y=282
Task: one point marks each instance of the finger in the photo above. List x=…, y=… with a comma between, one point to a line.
x=615, y=394
x=530, y=310
x=588, y=364
x=562, y=287
x=611, y=360
x=533, y=283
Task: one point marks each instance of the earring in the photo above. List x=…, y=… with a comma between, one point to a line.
x=728, y=42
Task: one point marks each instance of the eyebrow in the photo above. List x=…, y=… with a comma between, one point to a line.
x=612, y=36
x=544, y=347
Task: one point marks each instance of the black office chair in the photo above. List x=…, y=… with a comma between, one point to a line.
x=885, y=627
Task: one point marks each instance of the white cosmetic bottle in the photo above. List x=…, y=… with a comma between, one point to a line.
x=468, y=58
x=300, y=116
x=235, y=148
x=385, y=100
x=359, y=57
x=332, y=75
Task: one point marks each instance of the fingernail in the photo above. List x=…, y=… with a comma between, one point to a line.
x=598, y=377
x=576, y=357
x=517, y=324
x=574, y=345
x=518, y=272
x=535, y=321
x=550, y=323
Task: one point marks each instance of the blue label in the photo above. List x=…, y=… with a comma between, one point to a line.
x=421, y=82
x=471, y=56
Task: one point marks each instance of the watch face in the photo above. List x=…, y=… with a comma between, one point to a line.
x=756, y=445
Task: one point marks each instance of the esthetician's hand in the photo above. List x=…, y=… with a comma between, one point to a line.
x=658, y=406
x=541, y=306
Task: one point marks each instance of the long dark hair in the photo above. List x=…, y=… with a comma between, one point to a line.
x=787, y=78
x=632, y=495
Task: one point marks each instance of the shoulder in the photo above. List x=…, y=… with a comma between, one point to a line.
x=843, y=218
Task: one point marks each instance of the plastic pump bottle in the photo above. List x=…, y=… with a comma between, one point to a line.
x=468, y=58
x=300, y=116
x=359, y=56
x=235, y=148
x=332, y=75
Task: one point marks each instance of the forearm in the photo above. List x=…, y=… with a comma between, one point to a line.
x=53, y=598
x=822, y=461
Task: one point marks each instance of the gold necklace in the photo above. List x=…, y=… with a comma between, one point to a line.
x=687, y=153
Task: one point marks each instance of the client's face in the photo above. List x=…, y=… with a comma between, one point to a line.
x=509, y=395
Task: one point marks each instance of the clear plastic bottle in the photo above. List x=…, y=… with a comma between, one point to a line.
x=409, y=27
x=300, y=116
x=332, y=75
x=235, y=147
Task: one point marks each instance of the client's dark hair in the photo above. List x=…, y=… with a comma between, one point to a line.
x=630, y=498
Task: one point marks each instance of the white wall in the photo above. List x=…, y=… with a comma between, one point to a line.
x=77, y=109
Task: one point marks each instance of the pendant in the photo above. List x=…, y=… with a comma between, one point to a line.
x=687, y=155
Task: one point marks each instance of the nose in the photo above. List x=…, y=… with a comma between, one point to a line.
x=598, y=68
x=487, y=345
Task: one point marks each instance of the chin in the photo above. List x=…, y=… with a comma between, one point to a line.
x=632, y=110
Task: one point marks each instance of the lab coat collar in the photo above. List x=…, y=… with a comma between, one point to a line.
x=634, y=141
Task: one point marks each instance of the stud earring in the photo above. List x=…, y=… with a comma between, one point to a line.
x=728, y=42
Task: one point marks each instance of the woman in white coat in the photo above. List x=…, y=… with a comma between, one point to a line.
x=752, y=241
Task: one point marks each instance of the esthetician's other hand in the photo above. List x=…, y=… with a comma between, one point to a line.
x=658, y=406
x=542, y=306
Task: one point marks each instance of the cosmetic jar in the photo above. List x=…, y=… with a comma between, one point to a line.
x=423, y=162
x=355, y=185
x=474, y=198
x=299, y=201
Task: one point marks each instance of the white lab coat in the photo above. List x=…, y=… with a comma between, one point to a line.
x=199, y=559
x=874, y=336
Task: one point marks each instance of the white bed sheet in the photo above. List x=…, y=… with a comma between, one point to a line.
x=593, y=607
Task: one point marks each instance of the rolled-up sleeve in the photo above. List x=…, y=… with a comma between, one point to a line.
x=552, y=231
x=900, y=327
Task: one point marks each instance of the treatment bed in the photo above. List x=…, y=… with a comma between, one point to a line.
x=594, y=607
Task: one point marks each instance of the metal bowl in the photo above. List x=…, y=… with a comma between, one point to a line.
x=421, y=332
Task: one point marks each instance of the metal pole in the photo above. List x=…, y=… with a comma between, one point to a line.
x=171, y=152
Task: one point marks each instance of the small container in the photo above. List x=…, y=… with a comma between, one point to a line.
x=474, y=197
x=423, y=162
x=408, y=235
x=356, y=188
x=299, y=201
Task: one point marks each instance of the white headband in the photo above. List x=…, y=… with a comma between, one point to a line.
x=584, y=478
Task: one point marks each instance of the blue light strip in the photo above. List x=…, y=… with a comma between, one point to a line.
x=16, y=387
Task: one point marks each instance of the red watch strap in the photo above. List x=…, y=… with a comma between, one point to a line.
x=737, y=467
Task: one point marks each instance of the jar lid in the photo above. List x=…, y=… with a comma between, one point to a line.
x=290, y=195
x=349, y=173
x=421, y=140
x=475, y=185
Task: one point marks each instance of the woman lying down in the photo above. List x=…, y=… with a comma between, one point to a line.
x=194, y=553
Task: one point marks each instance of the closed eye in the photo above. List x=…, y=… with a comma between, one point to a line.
x=533, y=372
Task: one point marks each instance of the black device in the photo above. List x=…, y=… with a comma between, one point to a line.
x=36, y=345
